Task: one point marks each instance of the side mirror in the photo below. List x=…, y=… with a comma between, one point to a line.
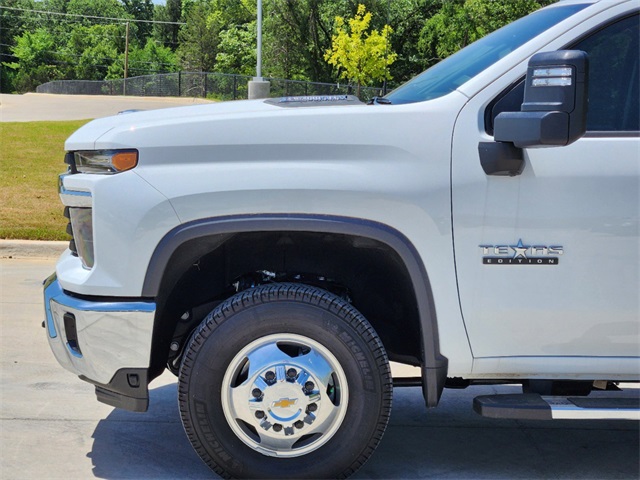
x=554, y=111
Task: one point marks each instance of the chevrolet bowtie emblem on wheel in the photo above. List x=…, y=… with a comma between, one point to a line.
x=521, y=254
x=284, y=403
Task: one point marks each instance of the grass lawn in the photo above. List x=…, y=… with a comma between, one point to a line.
x=31, y=157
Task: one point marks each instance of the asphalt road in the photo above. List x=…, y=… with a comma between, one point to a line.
x=51, y=426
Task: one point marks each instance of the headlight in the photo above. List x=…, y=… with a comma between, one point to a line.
x=102, y=161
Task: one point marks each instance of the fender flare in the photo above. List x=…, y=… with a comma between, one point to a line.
x=434, y=368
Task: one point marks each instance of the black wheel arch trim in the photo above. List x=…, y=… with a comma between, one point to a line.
x=434, y=369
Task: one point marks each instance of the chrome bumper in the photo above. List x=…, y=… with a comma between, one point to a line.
x=96, y=339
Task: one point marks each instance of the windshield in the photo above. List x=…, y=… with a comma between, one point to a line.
x=460, y=67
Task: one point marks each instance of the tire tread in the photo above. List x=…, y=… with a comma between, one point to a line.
x=288, y=292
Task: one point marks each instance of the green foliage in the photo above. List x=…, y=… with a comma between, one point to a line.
x=236, y=51
x=219, y=36
x=153, y=58
x=407, y=17
x=95, y=8
x=361, y=56
x=461, y=22
x=297, y=34
x=283, y=55
x=165, y=33
x=140, y=10
x=12, y=25
x=91, y=50
x=37, y=60
x=199, y=40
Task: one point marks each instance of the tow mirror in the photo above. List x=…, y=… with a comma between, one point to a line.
x=554, y=111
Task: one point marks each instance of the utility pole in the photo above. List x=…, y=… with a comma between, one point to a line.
x=259, y=54
x=258, y=87
x=386, y=52
x=126, y=60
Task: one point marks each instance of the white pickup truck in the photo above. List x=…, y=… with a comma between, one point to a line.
x=479, y=222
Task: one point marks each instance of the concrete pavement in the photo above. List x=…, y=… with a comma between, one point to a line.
x=31, y=249
x=32, y=107
x=52, y=427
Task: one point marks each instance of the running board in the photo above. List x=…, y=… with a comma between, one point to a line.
x=531, y=406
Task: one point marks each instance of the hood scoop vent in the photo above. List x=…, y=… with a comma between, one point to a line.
x=314, y=101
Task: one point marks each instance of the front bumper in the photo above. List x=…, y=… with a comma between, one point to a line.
x=107, y=343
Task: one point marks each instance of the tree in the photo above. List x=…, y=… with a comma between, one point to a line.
x=37, y=60
x=96, y=8
x=165, y=32
x=461, y=22
x=297, y=34
x=153, y=58
x=206, y=20
x=140, y=10
x=237, y=51
x=360, y=57
x=198, y=40
x=91, y=50
x=283, y=56
x=407, y=17
x=13, y=23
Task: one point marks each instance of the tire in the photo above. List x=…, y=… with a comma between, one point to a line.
x=285, y=381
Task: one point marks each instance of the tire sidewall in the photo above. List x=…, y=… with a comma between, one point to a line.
x=218, y=346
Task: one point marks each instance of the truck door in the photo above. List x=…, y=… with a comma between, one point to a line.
x=548, y=261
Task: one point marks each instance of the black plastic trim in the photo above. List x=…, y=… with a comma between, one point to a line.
x=611, y=134
x=127, y=390
x=407, y=382
x=501, y=159
x=489, y=117
x=525, y=406
x=434, y=369
x=71, y=332
x=70, y=159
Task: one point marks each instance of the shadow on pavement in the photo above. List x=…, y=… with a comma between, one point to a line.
x=149, y=445
x=449, y=442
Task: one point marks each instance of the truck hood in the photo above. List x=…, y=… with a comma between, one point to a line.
x=87, y=137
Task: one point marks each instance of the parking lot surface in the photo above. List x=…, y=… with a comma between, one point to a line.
x=52, y=427
x=32, y=107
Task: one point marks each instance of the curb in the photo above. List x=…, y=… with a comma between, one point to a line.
x=31, y=249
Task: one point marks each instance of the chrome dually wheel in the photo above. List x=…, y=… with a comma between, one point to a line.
x=285, y=381
x=284, y=395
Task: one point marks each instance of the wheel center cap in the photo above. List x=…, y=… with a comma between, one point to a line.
x=284, y=403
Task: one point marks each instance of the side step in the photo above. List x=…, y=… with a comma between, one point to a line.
x=531, y=406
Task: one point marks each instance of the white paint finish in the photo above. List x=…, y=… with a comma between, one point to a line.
x=132, y=218
x=557, y=367
x=583, y=197
x=388, y=164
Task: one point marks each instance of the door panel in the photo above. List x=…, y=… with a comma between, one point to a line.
x=548, y=261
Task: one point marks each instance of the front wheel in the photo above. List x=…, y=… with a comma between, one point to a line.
x=285, y=381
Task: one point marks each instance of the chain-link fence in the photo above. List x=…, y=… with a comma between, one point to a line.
x=219, y=86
